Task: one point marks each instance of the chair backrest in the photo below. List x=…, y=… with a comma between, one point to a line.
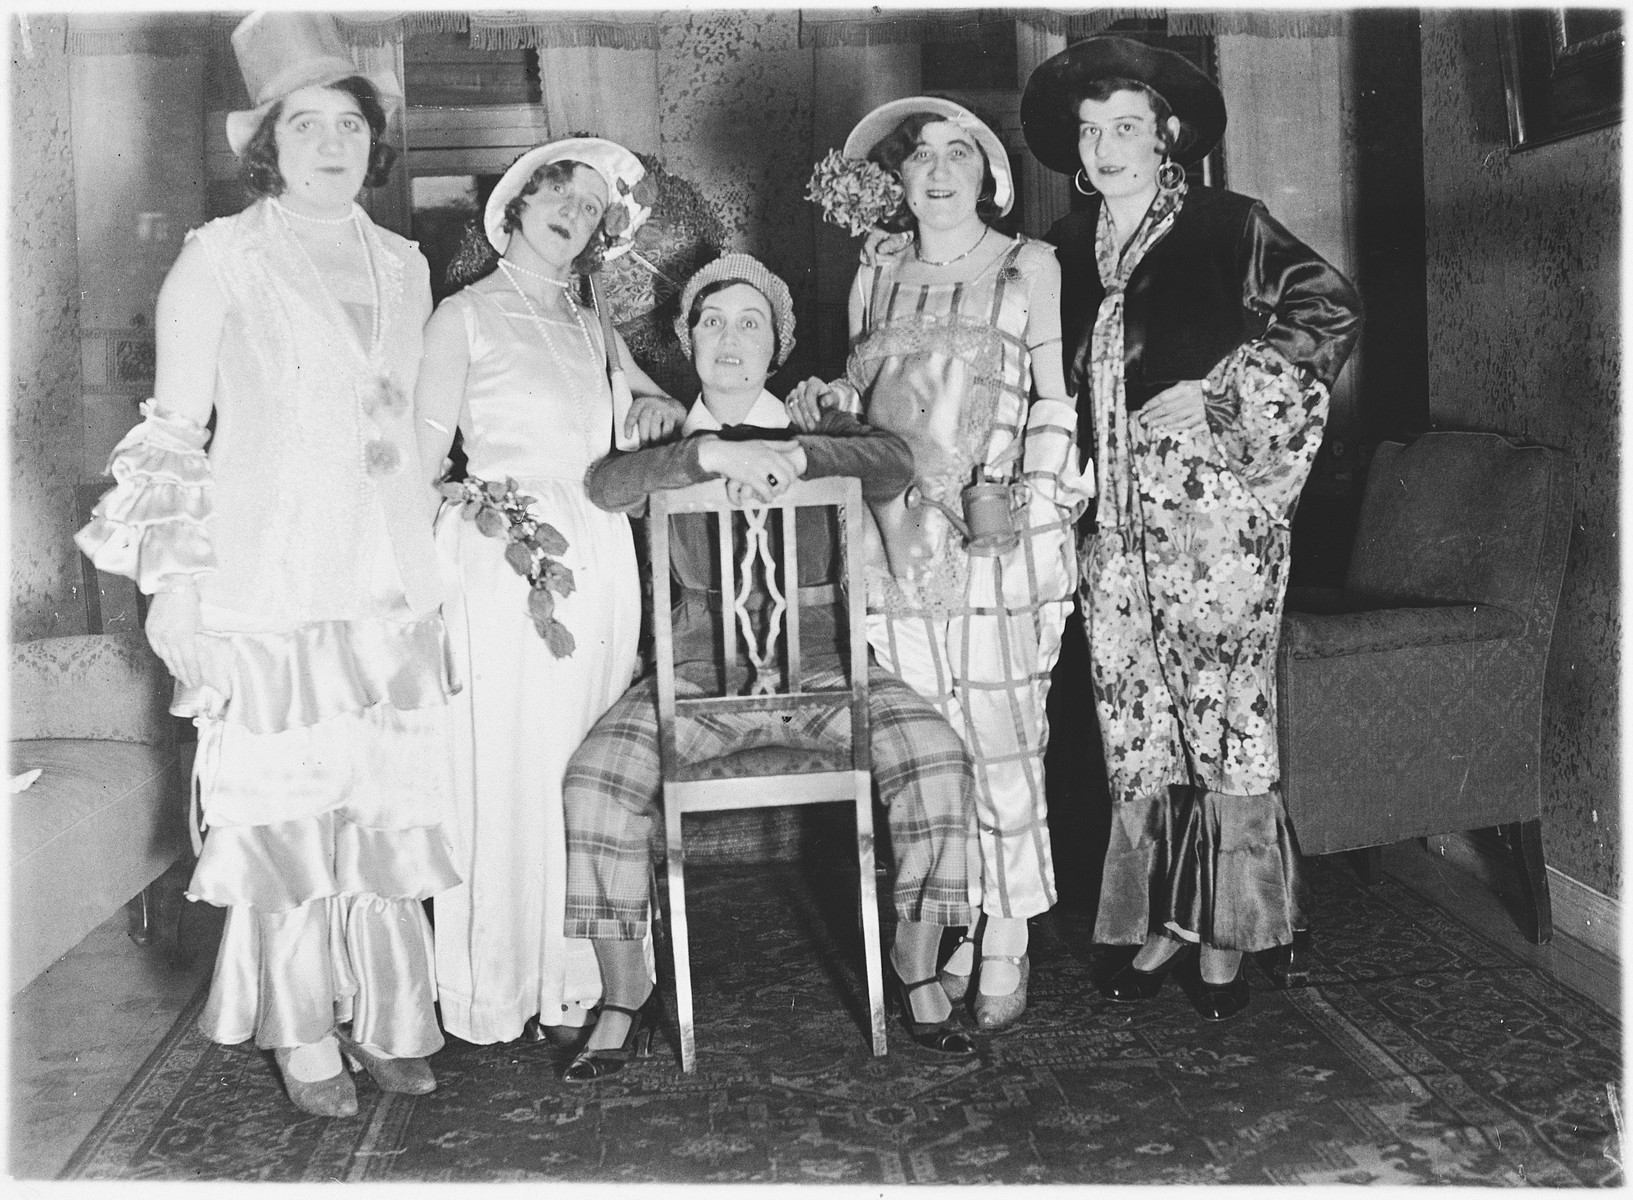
x=1465, y=517
x=107, y=687
x=756, y=571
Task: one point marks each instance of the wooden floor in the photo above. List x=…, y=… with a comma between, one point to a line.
x=79, y=1032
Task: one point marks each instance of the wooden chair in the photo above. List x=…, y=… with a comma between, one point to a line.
x=761, y=609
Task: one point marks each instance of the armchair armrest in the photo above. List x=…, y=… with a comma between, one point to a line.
x=1334, y=634
x=1319, y=600
x=110, y=687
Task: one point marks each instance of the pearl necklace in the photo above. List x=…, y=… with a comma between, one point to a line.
x=538, y=318
x=947, y=262
x=519, y=269
x=368, y=259
x=287, y=212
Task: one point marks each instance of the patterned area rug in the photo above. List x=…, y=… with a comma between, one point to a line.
x=1421, y=1053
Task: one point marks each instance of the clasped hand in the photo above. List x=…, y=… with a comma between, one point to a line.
x=653, y=418
x=1180, y=409
x=754, y=471
x=807, y=401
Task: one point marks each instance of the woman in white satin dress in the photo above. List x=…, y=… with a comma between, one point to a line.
x=521, y=368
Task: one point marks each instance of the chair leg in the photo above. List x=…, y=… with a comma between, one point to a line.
x=1524, y=840
x=142, y=915
x=1368, y=863
x=679, y=948
x=870, y=910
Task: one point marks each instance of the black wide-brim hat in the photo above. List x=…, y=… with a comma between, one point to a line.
x=1049, y=113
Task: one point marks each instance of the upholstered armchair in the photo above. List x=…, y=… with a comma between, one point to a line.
x=1410, y=700
x=106, y=814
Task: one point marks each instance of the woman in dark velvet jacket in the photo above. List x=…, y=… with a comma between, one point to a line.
x=1204, y=337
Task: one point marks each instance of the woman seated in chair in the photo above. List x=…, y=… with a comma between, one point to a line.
x=737, y=318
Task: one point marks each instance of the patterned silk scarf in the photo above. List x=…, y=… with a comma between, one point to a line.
x=1117, y=507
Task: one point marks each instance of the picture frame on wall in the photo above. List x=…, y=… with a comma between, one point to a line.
x=1562, y=71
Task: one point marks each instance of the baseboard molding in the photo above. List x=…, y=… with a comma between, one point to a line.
x=1581, y=912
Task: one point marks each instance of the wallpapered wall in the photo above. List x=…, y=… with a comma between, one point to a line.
x=735, y=118
x=1524, y=340
x=47, y=432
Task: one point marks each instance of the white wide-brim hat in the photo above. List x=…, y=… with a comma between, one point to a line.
x=878, y=124
x=281, y=52
x=618, y=167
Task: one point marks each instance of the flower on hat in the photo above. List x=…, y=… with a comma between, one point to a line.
x=854, y=194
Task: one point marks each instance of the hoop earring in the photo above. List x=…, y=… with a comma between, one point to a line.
x=1170, y=175
x=1080, y=181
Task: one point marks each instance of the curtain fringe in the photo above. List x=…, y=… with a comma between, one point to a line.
x=173, y=40
x=1284, y=22
x=884, y=31
x=557, y=35
x=944, y=26
x=1085, y=23
x=362, y=31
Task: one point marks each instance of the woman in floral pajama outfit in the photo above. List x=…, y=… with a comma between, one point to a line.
x=1207, y=337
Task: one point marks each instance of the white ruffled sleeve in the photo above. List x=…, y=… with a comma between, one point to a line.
x=150, y=526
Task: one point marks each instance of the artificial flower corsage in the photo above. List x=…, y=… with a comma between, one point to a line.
x=855, y=194
x=501, y=510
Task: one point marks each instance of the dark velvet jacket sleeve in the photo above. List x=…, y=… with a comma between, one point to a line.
x=843, y=445
x=840, y=445
x=1314, y=313
x=622, y=481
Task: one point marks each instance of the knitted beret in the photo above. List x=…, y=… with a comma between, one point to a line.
x=741, y=268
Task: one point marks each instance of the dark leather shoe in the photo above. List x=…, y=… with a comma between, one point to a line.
x=1129, y=985
x=590, y=1065
x=1222, y=1001
x=944, y=1037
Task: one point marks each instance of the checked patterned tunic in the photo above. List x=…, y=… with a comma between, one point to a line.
x=947, y=367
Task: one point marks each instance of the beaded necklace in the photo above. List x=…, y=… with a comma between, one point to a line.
x=538, y=317
x=521, y=270
x=373, y=347
x=287, y=212
x=947, y=262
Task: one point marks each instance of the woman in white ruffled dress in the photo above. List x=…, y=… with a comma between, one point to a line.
x=294, y=582
x=521, y=368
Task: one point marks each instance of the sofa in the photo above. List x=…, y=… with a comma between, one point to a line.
x=107, y=814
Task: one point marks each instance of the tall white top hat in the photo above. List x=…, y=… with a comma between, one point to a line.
x=281, y=52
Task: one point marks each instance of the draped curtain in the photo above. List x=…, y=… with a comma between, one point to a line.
x=548, y=28
x=863, y=27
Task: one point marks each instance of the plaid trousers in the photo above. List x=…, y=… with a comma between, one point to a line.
x=611, y=797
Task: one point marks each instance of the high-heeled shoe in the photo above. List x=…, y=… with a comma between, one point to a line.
x=1222, y=1001
x=589, y=1065
x=944, y=1037
x=408, y=1076
x=1000, y=1012
x=562, y=1037
x=955, y=985
x=1129, y=984
x=331, y=1097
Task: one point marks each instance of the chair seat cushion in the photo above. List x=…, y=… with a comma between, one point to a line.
x=79, y=779
x=103, y=821
x=768, y=760
x=1379, y=630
